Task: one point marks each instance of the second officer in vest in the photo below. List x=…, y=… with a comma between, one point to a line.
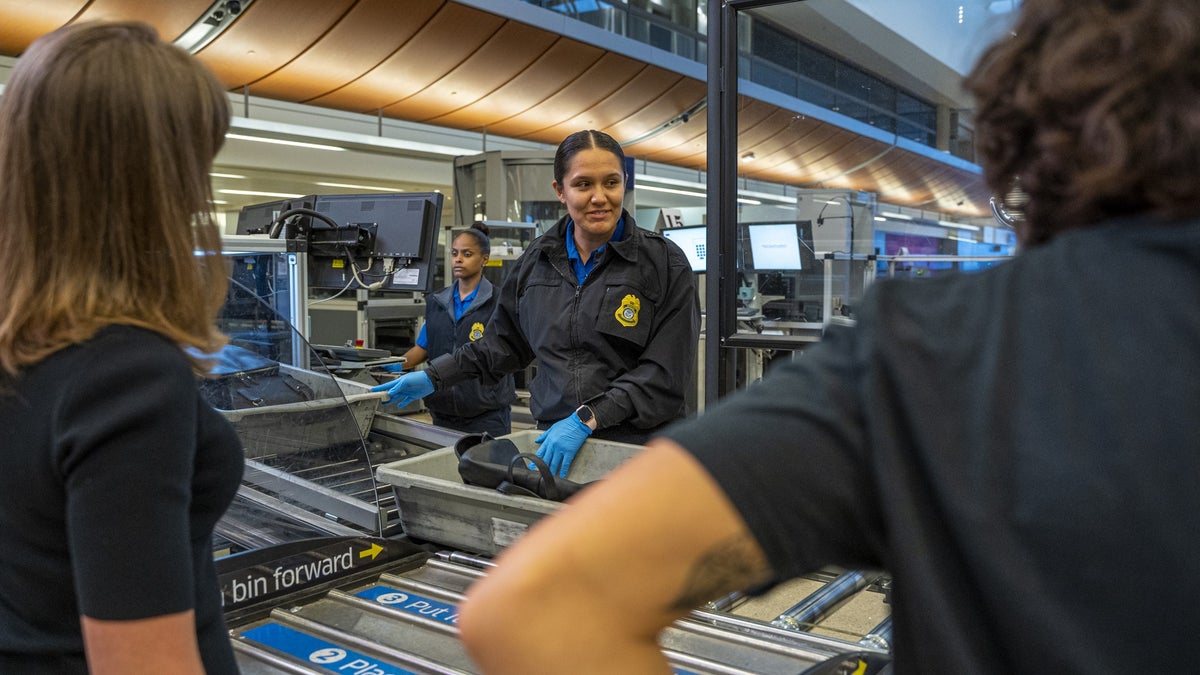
x=455, y=316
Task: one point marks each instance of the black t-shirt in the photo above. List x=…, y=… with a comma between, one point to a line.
x=1020, y=448
x=113, y=473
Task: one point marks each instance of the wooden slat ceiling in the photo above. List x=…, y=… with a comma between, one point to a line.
x=444, y=63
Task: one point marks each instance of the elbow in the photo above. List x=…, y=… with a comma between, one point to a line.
x=492, y=623
x=473, y=625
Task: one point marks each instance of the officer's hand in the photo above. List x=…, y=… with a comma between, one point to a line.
x=560, y=442
x=406, y=388
x=397, y=367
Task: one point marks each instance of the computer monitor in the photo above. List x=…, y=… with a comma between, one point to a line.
x=258, y=218
x=693, y=241
x=383, y=241
x=774, y=246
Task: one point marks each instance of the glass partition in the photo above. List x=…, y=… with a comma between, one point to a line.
x=306, y=432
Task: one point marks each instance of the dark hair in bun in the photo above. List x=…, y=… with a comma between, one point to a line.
x=479, y=232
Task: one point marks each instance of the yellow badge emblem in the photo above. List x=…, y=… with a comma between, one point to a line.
x=627, y=313
x=476, y=331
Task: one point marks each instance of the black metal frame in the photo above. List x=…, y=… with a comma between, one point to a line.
x=721, y=329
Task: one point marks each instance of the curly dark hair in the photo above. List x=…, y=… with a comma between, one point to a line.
x=1092, y=107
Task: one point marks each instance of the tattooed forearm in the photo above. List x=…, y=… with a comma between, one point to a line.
x=735, y=563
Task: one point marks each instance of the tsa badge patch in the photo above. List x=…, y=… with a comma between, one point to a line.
x=476, y=331
x=627, y=313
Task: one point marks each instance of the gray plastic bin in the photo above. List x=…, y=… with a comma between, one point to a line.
x=436, y=506
x=341, y=413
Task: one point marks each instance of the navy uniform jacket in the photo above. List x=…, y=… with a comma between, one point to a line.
x=624, y=342
x=444, y=335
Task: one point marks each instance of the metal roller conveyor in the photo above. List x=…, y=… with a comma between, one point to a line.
x=735, y=641
x=879, y=637
x=726, y=603
x=440, y=571
x=338, y=482
x=824, y=601
x=392, y=607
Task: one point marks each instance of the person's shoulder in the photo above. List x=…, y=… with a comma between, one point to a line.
x=440, y=296
x=126, y=347
x=134, y=337
x=663, y=247
x=117, y=359
x=949, y=298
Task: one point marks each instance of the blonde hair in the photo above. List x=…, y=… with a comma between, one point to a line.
x=107, y=135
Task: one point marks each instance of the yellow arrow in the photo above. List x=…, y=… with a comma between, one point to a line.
x=372, y=552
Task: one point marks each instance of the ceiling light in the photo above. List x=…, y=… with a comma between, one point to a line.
x=280, y=141
x=360, y=187
x=958, y=226
x=342, y=140
x=211, y=24
x=225, y=175
x=256, y=193
x=673, y=191
x=748, y=157
x=689, y=193
x=641, y=179
x=895, y=216
x=768, y=196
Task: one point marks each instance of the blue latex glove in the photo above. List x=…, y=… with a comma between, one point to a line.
x=397, y=367
x=560, y=443
x=406, y=388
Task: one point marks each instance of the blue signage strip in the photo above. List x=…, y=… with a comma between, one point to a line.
x=318, y=652
x=412, y=603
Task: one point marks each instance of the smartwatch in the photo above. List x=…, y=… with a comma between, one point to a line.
x=585, y=413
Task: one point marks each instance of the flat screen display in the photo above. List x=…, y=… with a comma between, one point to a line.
x=775, y=246
x=693, y=241
x=258, y=218
x=405, y=231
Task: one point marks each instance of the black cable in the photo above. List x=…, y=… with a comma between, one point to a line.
x=276, y=228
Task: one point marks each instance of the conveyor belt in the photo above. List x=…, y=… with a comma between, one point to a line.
x=391, y=607
x=327, y=491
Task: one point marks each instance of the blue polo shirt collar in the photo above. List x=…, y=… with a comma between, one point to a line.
x=461, y=305
x=582, y=269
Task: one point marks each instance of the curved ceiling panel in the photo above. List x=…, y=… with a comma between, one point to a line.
x=494, y=63
x=445, y=63
x=677, y=144
x=447, y=39
x=663, y=108
x=627, y=100
x=23, y=21
x=268, y=35
x=366, y=35
x=750, y=113
x=553, y=69
x=170, y=18
x=591, y=86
